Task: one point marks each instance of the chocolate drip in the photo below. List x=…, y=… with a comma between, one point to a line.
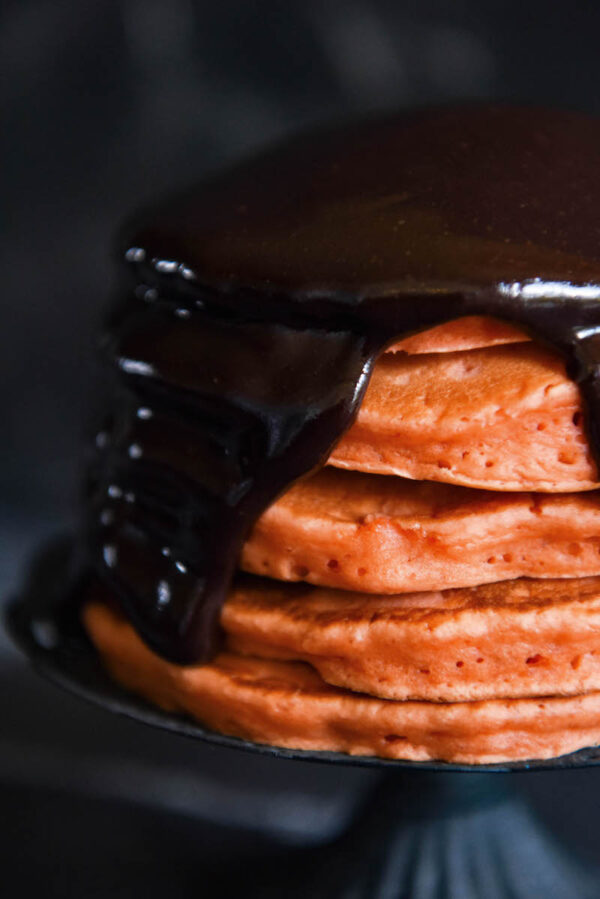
x=263, y=300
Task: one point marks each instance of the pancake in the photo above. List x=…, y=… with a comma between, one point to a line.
x=389, y=535
x=467, y=333
x=289, y=705
x=501, y=418
x=518, y=639
x=263, y=302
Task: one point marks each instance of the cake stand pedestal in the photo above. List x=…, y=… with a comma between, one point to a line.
x=428, y=835
x=428, y=831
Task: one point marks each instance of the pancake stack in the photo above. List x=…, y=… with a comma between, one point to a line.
x=430, y=589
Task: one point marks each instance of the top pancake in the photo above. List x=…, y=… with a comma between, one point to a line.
x=459, y=197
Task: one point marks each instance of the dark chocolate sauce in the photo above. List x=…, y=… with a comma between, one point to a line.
x=262, y=300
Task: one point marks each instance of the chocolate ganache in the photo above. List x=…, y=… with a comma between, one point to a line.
x=261, y=300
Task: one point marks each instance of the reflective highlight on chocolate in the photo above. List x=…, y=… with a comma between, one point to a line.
x=261, y=301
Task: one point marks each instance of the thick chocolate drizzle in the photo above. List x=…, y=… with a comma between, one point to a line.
x=262, y=300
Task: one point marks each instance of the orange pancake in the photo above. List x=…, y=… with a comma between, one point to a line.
x=502, y=418
x=467, y=333
x=389, y=535
x=518, y=639
x=287, y=704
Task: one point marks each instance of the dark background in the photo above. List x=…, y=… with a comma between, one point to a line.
x=104, y=105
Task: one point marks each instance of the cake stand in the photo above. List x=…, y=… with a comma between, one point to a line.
x=429, y=830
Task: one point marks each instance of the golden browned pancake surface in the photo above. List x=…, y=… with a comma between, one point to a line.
x=288, y=704
x=390, y=535
x=502, y=417
x=516, y=639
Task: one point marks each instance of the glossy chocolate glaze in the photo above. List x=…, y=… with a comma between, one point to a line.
x=262, y=299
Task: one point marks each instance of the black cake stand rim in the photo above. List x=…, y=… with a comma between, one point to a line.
x=60, y=652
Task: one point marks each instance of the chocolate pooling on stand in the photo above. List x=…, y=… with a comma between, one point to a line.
x=262, y=299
